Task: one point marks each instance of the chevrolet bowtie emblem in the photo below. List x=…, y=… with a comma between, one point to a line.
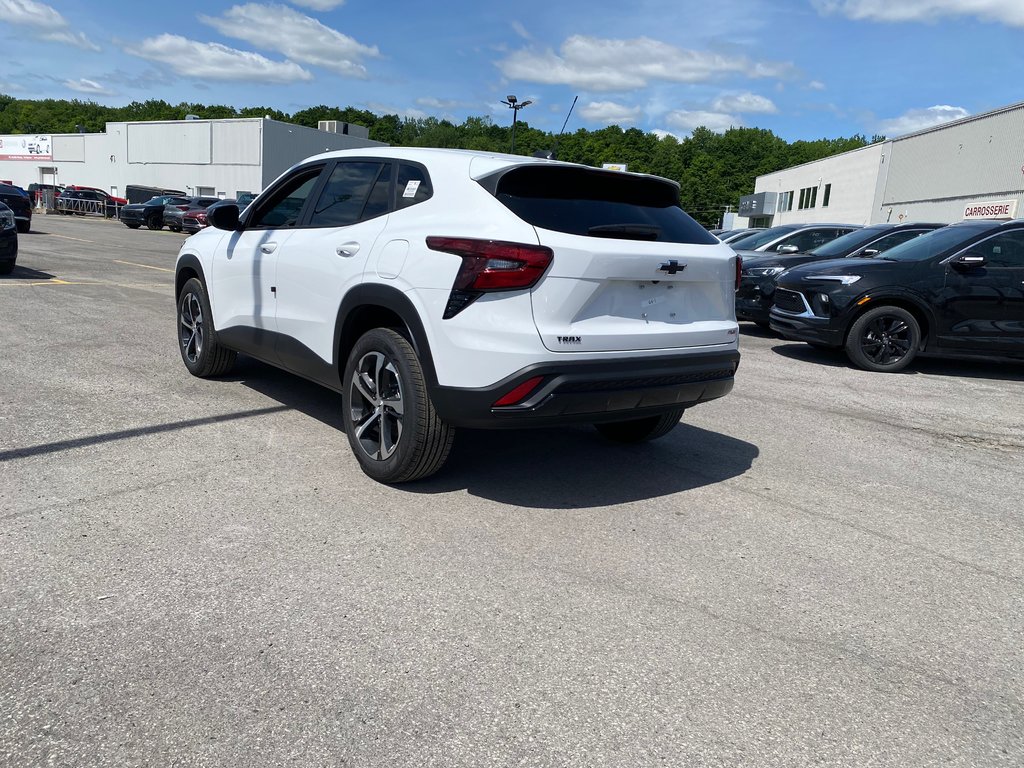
x=671, y=266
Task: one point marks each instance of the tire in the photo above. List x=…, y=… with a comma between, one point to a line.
x=396, y=436
x=641, y=430
x=132, y=224
x=201, y=352
x=884, y=339
x=24, y=226
x=154, y=222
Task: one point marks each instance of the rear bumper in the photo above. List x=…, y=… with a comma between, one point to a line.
x=592, y=391
x=820, y=330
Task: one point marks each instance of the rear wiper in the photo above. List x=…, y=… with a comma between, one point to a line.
x=626, y=231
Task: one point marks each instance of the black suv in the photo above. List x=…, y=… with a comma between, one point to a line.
x=18, y=202
x=757, y=282
x=956, y=291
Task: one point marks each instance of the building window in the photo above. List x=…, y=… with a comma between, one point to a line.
x=786, y=201
x=825, y=197
x=808, y=197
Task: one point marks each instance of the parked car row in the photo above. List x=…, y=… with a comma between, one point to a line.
x=887, y=293
x=17, y=201
x=176, y=212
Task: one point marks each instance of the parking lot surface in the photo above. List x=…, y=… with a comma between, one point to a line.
x=824, y=567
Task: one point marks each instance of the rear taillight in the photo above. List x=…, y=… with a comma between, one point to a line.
x=739, y=270
x=490, y=265
x=201, y=217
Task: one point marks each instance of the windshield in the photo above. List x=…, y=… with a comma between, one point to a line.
x=757, y=239
x=848, y=243
x=934, y=243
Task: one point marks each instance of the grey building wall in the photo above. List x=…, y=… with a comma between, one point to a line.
x=226, y=156
x=935, y=174
x=285, y=144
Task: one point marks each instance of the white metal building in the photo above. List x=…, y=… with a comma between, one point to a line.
x=969, y=168
x=200, y=157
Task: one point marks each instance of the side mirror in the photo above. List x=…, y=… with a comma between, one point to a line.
x=224, y=217
x=867, y=253
x=966, y=261
x=787, y=249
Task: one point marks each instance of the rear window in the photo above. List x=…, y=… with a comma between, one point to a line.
x=580, y=201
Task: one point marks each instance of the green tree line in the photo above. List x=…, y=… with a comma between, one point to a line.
x=713, y=169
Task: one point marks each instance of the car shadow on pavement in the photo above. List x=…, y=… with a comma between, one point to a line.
x=546, y=468
x=25, y=273
x=750, y=329
x=999, y=370
x=575, y=467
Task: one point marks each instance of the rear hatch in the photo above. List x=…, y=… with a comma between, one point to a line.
x=631, y=270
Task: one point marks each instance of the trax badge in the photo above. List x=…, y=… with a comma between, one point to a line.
x=570, y=339
x=671, y=266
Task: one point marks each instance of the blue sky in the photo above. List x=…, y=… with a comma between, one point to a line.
x=804, y=69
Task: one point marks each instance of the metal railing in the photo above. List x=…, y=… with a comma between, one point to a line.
x=78, y=207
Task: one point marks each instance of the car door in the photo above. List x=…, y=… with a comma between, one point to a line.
x=325, y=257
x=982, y=308
x=242, y=294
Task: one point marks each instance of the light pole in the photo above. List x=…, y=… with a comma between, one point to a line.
x=515, y=106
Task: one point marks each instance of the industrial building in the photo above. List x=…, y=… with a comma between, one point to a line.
x=221, y=158
x=968, y=168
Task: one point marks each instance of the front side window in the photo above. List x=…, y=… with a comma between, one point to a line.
x=754, y=241
x=808, y=239
x=284, y=207
x=1005, y=250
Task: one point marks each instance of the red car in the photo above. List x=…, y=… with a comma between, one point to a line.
x=118, y=200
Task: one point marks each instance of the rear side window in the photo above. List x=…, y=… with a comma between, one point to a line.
x=413, y=186
x=348, y=191
x=580, y=201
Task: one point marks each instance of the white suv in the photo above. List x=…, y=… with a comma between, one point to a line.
x=437, y=289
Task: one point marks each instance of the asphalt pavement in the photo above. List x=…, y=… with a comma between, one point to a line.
x=825, y=567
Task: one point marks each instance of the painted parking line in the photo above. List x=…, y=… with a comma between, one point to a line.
x=144, y=266
x=54, y=281
x=66, y=237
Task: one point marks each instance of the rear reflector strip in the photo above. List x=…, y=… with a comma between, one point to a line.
x=520, y=393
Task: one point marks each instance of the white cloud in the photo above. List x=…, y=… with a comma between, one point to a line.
x=661, y=134
x=816, y=85
x=919, y=119
x=213, y=61
x=687, y=120
x=744, y=102
x=609, y=112
x=432, y=103
x=319, y=5
x=299, y=37
x=520, y=30
x=601, y=64
x=88, y=86
x=1005, y=11
x=46, y=21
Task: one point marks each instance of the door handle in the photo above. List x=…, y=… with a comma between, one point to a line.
x=268, y=247
x=347, y=249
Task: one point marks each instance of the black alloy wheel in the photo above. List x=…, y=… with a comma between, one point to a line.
x=884, y=339
x=155, y=222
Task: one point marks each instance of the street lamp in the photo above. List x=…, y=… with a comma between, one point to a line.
x=515, y=105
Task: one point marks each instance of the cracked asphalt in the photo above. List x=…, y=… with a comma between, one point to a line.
x=824, y=568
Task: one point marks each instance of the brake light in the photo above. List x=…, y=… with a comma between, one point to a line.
x=520, y=393
x=739, y=270
x=490, y=265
